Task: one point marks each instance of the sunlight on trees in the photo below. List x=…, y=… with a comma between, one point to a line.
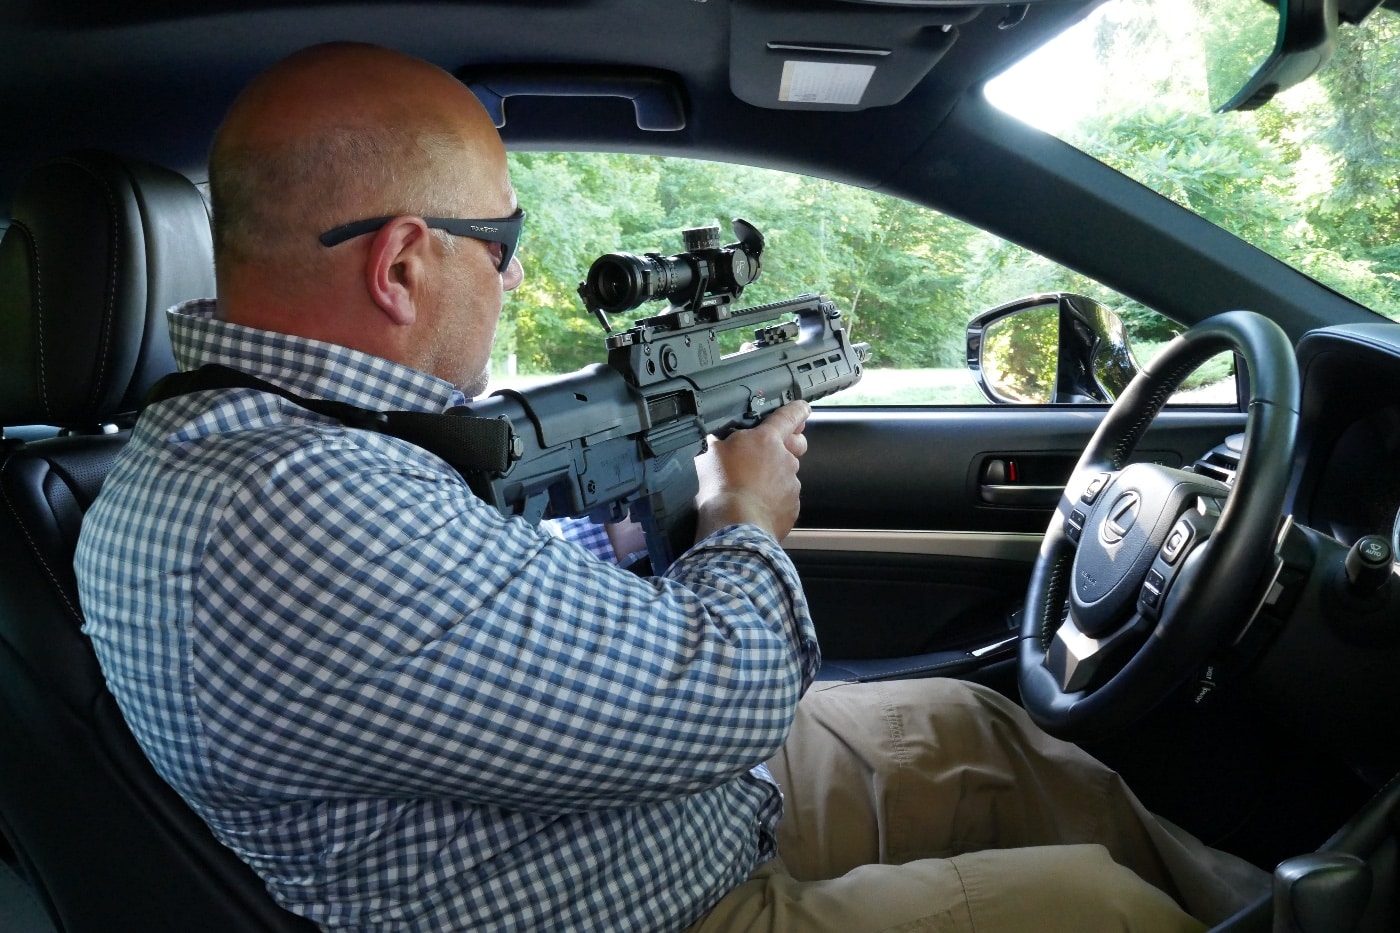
x=1019, y=354
x=1310, y=178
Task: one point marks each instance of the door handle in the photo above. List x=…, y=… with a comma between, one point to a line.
x=1020, y=482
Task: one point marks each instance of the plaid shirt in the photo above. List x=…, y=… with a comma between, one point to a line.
x=405, y=711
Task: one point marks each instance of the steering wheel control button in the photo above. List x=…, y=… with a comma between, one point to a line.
x=1096, y=485
x=1152, y=589
x=1177, y=540
x=1074, y=525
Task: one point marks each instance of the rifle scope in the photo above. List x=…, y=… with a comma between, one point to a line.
x=619, y=282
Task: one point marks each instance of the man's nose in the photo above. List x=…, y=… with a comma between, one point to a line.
x=514, y=274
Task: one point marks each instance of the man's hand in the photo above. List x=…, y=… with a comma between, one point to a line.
x=627, y=538
x=751, y=476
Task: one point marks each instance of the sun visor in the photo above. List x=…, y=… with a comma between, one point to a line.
x=834, y=56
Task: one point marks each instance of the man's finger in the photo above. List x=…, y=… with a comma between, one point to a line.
x=789, y=419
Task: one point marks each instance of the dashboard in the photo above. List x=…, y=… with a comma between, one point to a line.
x=1347, y=481
x=1330, y=668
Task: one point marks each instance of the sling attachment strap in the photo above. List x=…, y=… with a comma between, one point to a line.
x=472, y=445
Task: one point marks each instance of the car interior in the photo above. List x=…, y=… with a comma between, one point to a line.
x=1276, y=745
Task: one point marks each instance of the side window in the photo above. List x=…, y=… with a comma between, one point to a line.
x=907, y=280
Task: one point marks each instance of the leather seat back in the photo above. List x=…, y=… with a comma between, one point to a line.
x=98, y=247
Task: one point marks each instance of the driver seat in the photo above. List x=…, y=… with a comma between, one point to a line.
x=98, y=247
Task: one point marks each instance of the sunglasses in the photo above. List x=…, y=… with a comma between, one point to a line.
x=502, y=230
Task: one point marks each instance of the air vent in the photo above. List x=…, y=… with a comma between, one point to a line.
x=1222, y=462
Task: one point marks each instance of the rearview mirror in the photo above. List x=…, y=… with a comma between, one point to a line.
x=1257, y=48
x=1053, y=348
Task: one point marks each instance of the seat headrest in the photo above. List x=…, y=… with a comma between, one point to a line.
x=98, y=248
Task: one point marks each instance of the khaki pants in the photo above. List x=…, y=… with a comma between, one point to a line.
x=938, y=805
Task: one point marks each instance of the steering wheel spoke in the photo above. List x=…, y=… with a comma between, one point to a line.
x=1081, y=662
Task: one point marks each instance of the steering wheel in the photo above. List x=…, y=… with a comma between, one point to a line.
x=1146, y=569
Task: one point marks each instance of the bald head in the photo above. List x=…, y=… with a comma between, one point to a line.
x=341, y=132
x=348, y=132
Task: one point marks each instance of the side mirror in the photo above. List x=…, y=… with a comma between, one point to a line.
x=1055, y=348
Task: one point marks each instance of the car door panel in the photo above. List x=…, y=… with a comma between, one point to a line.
x=931, y=557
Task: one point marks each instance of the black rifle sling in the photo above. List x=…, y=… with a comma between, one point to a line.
x=472, y=445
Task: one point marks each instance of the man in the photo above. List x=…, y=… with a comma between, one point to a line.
x=406, y=712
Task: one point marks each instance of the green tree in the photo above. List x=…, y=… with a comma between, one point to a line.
x=1312, y=178
x=1356, y=218
x=894, y=269
x=908, y=291
x=577, y=205
x=1214, y=170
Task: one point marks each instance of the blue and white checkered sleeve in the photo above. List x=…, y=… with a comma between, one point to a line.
x=372, y=627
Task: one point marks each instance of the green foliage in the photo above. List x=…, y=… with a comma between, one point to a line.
x=1312, y=178
x=1212, y=169
x=577, y=208
x=1236, y=39
x=1355, y=245
x=894, y=269
x=907, y=279
x=1018, y=354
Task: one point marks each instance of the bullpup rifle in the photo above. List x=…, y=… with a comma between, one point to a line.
x=621, y=438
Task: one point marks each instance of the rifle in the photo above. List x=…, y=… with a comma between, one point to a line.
x=621, y=438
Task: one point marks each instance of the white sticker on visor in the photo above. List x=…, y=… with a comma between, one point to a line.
x=823, y=83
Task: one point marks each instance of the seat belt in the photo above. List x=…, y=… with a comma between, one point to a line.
x=478, y=448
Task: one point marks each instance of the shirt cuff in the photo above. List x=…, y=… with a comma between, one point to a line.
x=584, y=532
x=788, y=600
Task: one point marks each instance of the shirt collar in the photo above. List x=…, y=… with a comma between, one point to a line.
x=303, y=366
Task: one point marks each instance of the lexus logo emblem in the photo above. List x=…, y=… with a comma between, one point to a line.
x=1120, y=518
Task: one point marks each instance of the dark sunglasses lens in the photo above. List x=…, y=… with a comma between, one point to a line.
x=508, y=247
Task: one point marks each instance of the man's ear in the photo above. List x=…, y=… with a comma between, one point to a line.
x=397, y=266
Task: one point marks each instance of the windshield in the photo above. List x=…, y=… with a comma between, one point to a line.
x=1311, y=178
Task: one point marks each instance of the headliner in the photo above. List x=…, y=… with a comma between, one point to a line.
x=151, y=78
